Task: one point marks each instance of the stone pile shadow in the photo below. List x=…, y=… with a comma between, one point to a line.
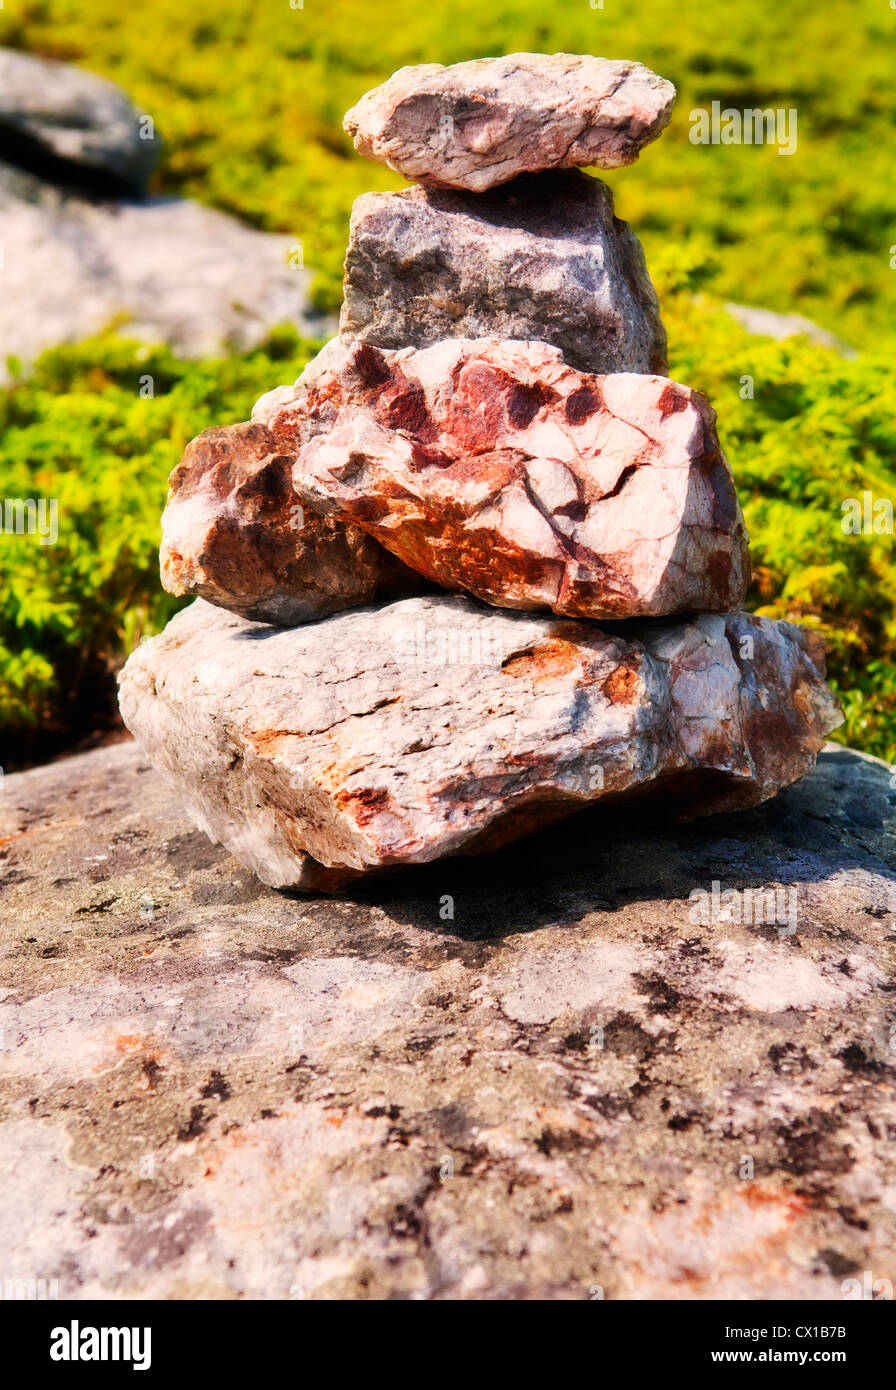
x=610, y=856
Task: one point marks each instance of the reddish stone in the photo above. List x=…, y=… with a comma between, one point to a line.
x=234, y=532
x=496, y=468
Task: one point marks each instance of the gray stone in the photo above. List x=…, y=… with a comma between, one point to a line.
x=544, y=1088
x=394, y=736
x=766, y=323
x=73, y=125
x=477, y=124
x=541, y=257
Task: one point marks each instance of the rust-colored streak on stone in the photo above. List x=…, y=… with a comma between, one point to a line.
x=364, y=805
x=267, y=742
x=581, y=404
x=371, y=367
x=621, y=686
x=672, y=400
x=549, y=661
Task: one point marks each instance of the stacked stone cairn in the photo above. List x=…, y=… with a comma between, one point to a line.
x=482, y=565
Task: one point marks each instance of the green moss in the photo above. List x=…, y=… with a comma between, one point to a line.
x=83, y=432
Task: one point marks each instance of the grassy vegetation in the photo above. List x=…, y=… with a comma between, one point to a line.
x=818, y=429
x=79, y=430
x=249, y=95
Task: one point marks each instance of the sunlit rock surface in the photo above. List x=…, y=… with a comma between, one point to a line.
x=529, y=1075
x=234, y=532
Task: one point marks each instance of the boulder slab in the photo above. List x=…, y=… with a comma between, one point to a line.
x=541, y=257
x=477, y=124
x=528, y=1076
x=495, y=468
x=432, y=726
x=235, y=533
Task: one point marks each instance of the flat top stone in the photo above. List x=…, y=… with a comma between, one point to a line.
x=209, y=1089
x=480, y=123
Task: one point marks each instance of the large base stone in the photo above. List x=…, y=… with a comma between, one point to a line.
x=527, y=1076
x=395, y=736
